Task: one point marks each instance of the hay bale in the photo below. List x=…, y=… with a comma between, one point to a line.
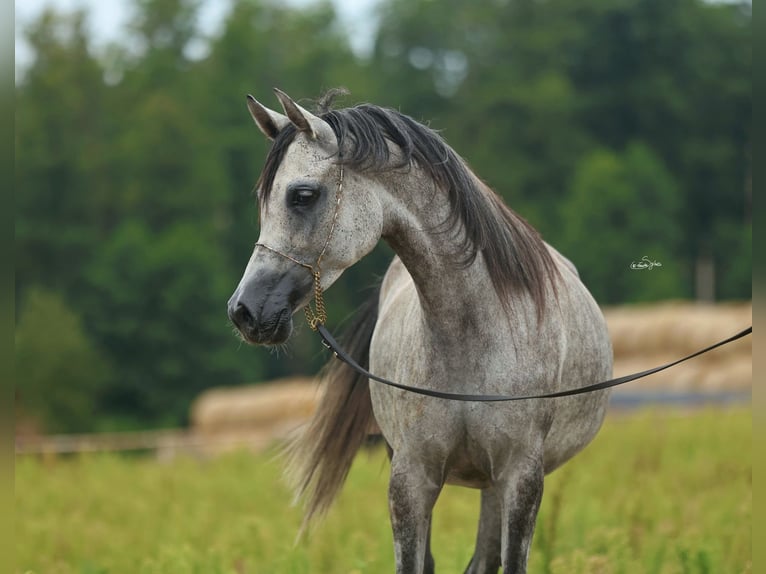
x=680, y=327
x=648, y=335
x=731, y=375
x=263, y=406
x=695, y=376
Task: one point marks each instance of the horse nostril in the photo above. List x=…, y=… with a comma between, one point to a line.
x=241, y=315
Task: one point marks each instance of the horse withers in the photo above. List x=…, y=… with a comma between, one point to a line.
x=474, y=302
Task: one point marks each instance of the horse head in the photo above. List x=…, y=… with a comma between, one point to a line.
x=317, y=219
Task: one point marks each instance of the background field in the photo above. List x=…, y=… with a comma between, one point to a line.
x=617, y=129
x=658, y=492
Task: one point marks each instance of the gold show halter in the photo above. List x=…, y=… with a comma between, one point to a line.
x=318, y=314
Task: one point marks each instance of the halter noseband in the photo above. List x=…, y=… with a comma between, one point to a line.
x=318, y=314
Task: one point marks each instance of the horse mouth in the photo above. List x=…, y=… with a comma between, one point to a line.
x=275, y=331
x=262, y=306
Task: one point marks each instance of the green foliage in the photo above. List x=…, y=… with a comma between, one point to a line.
x=734, y=252
x=61, y=120
x=632, y=199
x=618, y=129
x=174, y=324
x=656, y=493
x=58, y=369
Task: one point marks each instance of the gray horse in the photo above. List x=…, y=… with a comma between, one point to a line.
x=474, y=302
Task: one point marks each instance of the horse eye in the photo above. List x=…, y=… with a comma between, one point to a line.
x=303, y=196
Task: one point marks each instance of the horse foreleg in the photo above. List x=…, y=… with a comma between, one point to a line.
x=412, y=494
x=486, y=556
x=430, y=565
x=522, y=493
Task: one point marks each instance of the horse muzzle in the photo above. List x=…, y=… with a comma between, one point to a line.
x=261, y=308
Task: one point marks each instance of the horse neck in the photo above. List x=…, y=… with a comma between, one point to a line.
x=453, y=296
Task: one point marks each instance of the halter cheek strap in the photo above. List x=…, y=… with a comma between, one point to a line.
x=318, y=314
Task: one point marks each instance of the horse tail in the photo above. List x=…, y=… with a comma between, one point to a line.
x=320, y=457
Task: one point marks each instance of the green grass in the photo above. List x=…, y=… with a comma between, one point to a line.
x=659, y=492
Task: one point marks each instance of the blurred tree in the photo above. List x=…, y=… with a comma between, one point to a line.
x=167, y=158
x=162, y=31
x=61, y=122
x=676, y=74
x=59, y=372
x=171, y=168
x=633, y=200
x=154, y=301
x=733, y=251
x=409, y=55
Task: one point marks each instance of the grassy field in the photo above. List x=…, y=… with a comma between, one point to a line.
x=660, y=492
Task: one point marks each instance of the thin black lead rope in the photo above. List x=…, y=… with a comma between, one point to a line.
x=317, y=316
x=329, y=341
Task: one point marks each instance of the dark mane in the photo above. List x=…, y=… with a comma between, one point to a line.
x=513, y=250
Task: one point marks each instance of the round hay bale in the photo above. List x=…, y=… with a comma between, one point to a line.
x=735, y=374
x=680, y=328
x=254, y=406
x=703, y=374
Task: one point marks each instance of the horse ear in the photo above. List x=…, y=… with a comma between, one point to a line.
x=315, y=127
x=269, y=121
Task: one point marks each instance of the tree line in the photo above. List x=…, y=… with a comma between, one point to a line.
x=619, y=129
